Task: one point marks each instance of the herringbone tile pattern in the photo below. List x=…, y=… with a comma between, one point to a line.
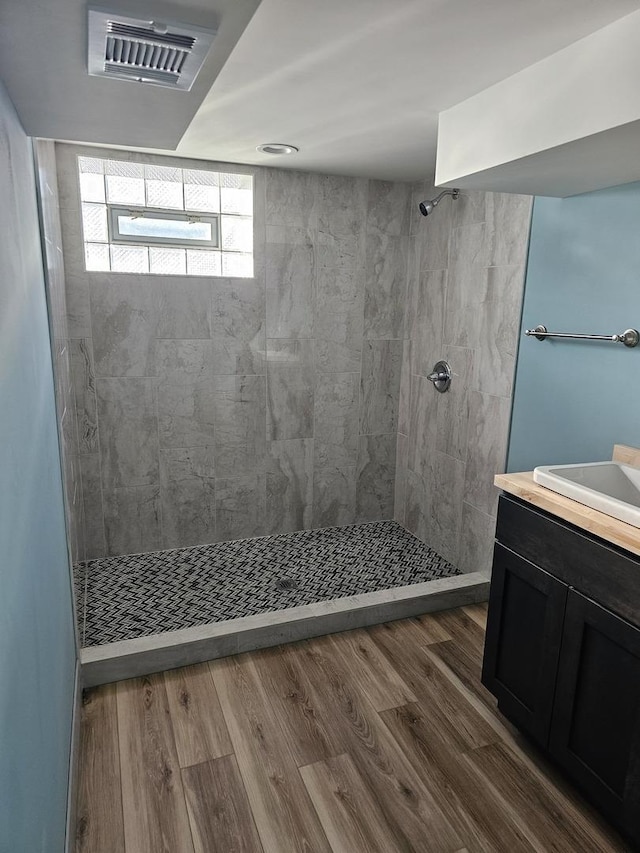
x=134, y=596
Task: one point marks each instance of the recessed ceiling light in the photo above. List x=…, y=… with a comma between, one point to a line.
x=277, y=148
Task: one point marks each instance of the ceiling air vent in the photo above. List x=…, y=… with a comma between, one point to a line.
x=163, y=53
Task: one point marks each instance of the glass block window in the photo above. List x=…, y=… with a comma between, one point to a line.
x=163, y=220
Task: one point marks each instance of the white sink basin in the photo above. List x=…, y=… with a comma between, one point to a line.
x=610, y=487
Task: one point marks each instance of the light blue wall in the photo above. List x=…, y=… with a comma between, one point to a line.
x=573, y=400
x=37, y=648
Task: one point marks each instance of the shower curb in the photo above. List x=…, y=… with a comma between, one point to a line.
x=157, y=652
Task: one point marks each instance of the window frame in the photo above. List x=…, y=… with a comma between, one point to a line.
x=115, y=237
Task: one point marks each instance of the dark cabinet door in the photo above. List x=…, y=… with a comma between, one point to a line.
x=595, y=732
x=522, y=647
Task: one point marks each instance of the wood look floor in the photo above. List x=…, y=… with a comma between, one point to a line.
x=371, y=741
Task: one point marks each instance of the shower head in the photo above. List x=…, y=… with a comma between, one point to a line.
x=427, y=206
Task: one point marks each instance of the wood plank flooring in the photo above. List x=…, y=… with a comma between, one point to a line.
x=372, y=741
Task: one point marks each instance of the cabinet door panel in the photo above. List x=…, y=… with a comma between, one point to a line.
x=524, y=631
x=595, y=730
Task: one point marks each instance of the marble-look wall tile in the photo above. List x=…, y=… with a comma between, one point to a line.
x=291, y=198
x=259, y=225
x=92, y=509
x=132, y=520
x=336, y=419
x=187, y=463
x=386, y=285
x=186, y=414
x=447, y=487
x=240, y=416
x=187, y=496
x=188, y=513
x=375, y=477
x=433, y=232
x=418, y=504
x=487, y=449
x=418, y=191
x=400, y=486
x=339, y=308
x=469, y=208
x=290, y=389
x=75, y=534
x=73, y=248
x=128, y=436
x=238, y=326
x=498, y=326
x=466, y=284
x=83, y=379
x=183, y=306
x=340, y=251
x=290, y=235
x=380, y=386
x=434, y=504
x=508, y=218
x=453, y=406
x=289, y=485
x=234, y=356
x=414, y=260
x=124, y=325
x=78, y=306
x=240, y=507
x=290, y=280
x=334, y=496
x=404, y=395
x=499, y=314
x=68, y=181
x=342, y=204
x=423, y=425
x=67, y=421
x=477, y=539
x=388, y=207
x=184, y=393
x=182, y=362
x=426, y=320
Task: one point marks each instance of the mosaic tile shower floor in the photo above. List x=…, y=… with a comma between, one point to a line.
x=120, y=598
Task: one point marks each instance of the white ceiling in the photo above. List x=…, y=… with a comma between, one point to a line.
x=356, y=84
x=43, y=64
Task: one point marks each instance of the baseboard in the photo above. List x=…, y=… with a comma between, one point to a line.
x=132, y=658
x=74, y=763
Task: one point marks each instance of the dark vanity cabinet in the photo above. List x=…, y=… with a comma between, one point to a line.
x=562, y=652
x=524, y=632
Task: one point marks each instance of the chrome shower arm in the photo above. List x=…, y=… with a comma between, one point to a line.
x=453, y=193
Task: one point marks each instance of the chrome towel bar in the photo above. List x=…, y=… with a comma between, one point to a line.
x=629, y=338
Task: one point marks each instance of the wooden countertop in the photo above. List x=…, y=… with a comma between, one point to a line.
x=617, y=532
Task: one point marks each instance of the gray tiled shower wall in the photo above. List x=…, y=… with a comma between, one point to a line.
x=215, y=408
x=466, y=282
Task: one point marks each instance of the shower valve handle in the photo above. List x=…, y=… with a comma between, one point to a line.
x=440, y=376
